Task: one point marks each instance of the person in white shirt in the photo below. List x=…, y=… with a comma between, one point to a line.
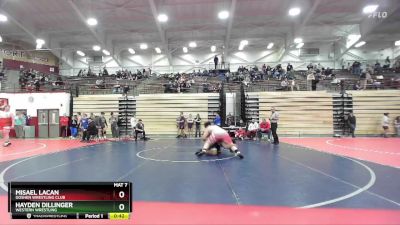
x=252, y=129
x=385, y=124
x=6, y=123
x=274, y=118
x=133, y=125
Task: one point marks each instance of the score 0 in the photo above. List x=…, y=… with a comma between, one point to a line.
x=121, y=193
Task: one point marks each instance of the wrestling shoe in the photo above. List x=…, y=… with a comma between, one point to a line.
x=6, y=144
x=200, y=153
x=239, y=155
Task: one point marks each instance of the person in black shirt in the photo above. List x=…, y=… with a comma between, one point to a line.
x=139, y=128
x=91, y=131
x=289, y=67
x=352, y=123
x=216, y=61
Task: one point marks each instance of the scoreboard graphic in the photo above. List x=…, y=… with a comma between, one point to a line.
x=70, y=200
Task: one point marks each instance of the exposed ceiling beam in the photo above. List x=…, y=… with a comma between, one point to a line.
x=367, y=27
x=32, y=33
x=299, y=29
x=161, y=32
x=99, y=40
x=230, y=24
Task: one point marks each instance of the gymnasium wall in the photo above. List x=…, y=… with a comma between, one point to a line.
x=34, y=101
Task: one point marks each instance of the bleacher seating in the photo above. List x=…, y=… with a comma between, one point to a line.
x=96, y=104
x=301, y=113
x=369, y=106
x=159, y=111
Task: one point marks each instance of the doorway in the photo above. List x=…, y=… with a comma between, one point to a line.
x=49, y=123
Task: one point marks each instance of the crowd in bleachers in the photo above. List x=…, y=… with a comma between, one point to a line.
x=32, y=80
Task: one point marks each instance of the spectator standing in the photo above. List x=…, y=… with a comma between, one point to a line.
x=74, y=127
x=19, y=124
x=64, y=122
x=274, y=118
x=351, y=120
x=114, y=125
x=216, y=61
x=190, y=122
x=181, y=126
x=103, y=126
x=222, y=60
x=84, y=126
x=217, y=120
x=289, y=67
x=397, y=125
x=310, y=79
x=385, y=124
x=197, y=121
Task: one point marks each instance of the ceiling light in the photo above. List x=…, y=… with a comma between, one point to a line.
x=96, y=48
x=162, y=18
x=143, y=46
x=300, y=45
x=397, y=43
x=130, y=50
x=213, y=48
x=270, y=45
x=185, y=49
x=359, y=44
x=192, y=44
x=298, y=40
x=354, y=37
x=39, y=46
x=105, y=52
x=223, y=15
x=91, y=21
x=370, y=9
x=40, y=41
x=3, y=18
x=158, y=50
x=244, y=42
x=294, y=11
x=80, y=53
x=1, y=39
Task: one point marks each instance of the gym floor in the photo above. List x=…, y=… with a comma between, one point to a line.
x=300, y=181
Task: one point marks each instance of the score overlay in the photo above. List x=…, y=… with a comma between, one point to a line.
x=70, y=200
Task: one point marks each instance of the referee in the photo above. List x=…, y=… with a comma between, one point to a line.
x=274, y=118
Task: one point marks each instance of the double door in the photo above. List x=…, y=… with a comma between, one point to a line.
x=49, y=123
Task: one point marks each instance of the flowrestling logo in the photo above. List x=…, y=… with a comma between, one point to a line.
x=378, y=15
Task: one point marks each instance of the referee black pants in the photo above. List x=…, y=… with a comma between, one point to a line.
x=274, y=127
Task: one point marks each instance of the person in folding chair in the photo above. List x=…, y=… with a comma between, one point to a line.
x=91, y=131
x=139, y=129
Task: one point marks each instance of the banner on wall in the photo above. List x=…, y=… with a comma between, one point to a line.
x=39, y=57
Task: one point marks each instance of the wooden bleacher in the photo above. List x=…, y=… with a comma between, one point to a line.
x=159, y=111
x=369, y=106
x=97, y=104
x=301, y=113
